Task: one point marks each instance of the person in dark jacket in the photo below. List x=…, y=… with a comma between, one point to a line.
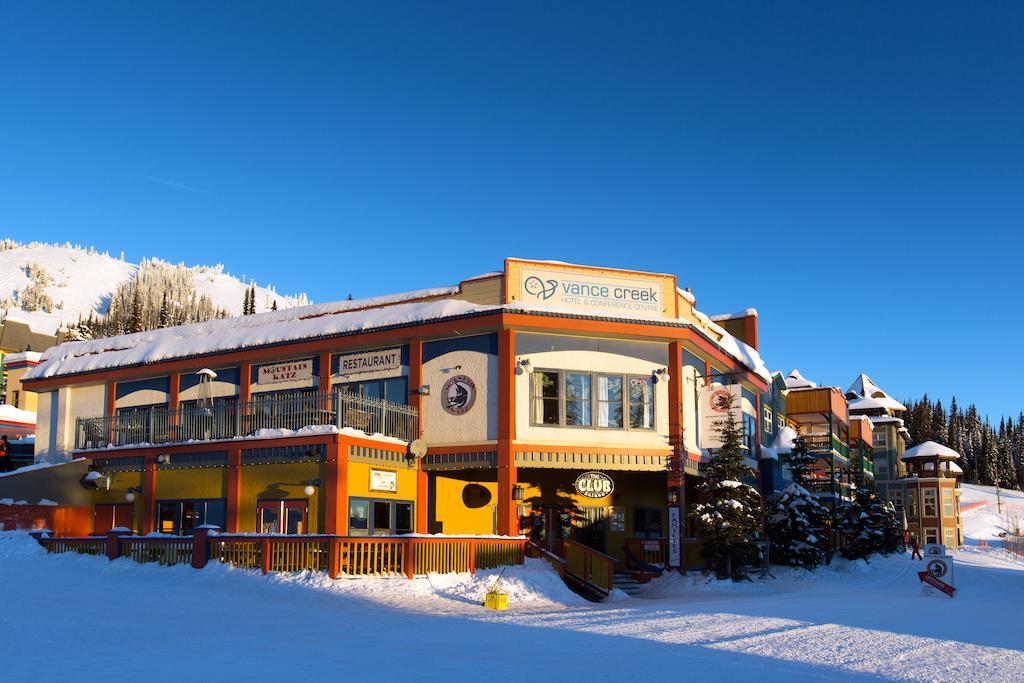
x=6, y=459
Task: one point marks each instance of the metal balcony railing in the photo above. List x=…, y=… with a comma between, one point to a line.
x=262, y=416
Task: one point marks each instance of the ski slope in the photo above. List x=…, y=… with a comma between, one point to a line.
x=84, y=280
x=82, y=617
x=985, y=517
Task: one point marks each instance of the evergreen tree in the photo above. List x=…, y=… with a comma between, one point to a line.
x=796, y=520
x=869, y=525
x=134, y=322
x=940, y=430
x=728, y=518
x=164, y=318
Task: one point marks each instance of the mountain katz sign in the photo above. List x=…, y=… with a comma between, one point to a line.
x=594, y=485
x=289, y=371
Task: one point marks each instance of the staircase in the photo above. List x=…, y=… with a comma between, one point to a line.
x=626, y=583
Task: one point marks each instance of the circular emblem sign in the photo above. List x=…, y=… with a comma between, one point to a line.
x=937, y=568
x=720, y=400
x=594, y=485
x=458, y=395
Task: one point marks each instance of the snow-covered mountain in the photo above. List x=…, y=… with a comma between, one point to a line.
x=73, y=281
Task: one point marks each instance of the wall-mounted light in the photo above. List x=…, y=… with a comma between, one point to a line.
x=423, y=390
x=518, y=492
x=656, y=374
x=523, y=366
x=311, y=486
x=130, y=495
x=673, y=497
x=164, y=459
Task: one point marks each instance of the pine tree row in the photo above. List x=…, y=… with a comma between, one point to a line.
x=992, y=455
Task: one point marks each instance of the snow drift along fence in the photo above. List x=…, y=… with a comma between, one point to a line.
x=337, y=555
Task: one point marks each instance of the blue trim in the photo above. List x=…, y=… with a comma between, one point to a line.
x=155, y=384
x=483, y=343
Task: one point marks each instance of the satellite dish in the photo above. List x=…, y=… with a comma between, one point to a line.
x=418, y=448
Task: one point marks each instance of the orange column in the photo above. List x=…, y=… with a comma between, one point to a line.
x=148, y=495
x=111, y=405
x=244, y=382
x=677, y=470
x=324, y=377
x=416, y=401
x=508, y=521
x=234, y=486
x=335, y=490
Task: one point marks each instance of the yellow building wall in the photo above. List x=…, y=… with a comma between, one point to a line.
x=202, y=482
x=450, y=512
x=280, y=482
x=359, y=482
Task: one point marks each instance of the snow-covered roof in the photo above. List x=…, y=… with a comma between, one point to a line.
x=308, y=322
x=9, y=413
x=955, y=469
x=931, y=449
x=733, y=316
x=797, y=381
x=864, y=394
x=782, y=443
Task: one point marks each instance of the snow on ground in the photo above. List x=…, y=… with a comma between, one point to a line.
x=981, y=514
x=84, y=615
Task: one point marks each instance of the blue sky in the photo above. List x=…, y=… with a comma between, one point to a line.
x=852, y=171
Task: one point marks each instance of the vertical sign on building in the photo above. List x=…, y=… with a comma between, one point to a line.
x=715, y=401
x=675, y=533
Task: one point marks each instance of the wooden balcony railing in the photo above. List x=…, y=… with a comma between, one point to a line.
x=407, y=556
x=231, y=419
x=591, y=568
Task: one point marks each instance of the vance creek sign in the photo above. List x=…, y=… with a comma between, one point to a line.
x=598, y=292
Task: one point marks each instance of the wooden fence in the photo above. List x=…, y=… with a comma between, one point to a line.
x=407, y=556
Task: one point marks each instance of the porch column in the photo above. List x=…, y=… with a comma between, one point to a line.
x=148, y=495
x=336, y=488
x=173, y=401
x=416, y=401
x=677, y=469
x=234, y=486
x=508, y=521
x=109, y=410
x=324, y=379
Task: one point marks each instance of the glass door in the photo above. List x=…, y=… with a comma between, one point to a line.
x=281, y=516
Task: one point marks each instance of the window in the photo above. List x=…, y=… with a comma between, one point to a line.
x=750, y=433
x=583, y=399
x=767, y=420
x=14, y=398
x=911, y=503
x=577, y=399
x=931, y=535
x=281, y=516
x=545, y=398
x=879, y=439
x=641, y=403
x=882, y=468
x=928, y=503
x=609, y=401
x=780, y=421
x=947, y=503
x=181, y=517
x=897, y=499
x=379, y=517
x=949, y=538
x=395, y=389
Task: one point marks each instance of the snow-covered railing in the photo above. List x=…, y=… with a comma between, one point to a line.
x=233, y=419
x=336, y=555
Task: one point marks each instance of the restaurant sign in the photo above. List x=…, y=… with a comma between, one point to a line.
x=289, y=371
x=594, y=485
x=376, y=364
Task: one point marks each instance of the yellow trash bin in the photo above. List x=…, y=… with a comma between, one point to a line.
x=498, y=601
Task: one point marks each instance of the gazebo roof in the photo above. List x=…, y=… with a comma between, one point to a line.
x=930, y=449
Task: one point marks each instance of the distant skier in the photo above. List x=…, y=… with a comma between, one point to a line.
x=916, y=550
x=6, y=460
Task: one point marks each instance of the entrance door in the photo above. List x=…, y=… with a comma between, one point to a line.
x=107, y=516
x=592, y=528
x=555, y=526
x=281, y=516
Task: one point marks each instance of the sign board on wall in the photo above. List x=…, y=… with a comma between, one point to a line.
x=594, y=485
x=714, y=402
x=458, y=395
x=288, y=371
x=596, y=291
x=364, y=365
x=674, y=538
x=383, y=480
